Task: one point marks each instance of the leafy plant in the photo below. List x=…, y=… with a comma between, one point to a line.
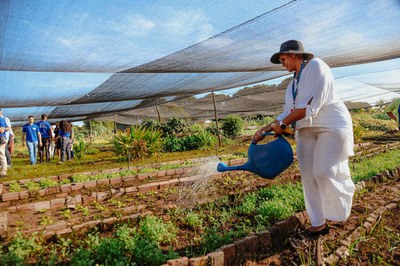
x=194, y=220
x=137, y=143
x=155, y=230
x=232, y=126
x=32, y=186
x=80, y=149
x=47, y=182
x=14, y=187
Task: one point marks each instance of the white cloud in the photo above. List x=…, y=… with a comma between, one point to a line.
x=184, y=23
x=134, y=25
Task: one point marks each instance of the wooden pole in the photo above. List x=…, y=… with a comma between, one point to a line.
x=158, y=114
x=216, y=119
x=90, y=132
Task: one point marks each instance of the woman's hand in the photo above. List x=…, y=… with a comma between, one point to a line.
x=258, y=135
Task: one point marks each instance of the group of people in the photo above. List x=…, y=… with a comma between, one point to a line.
x=41, y=138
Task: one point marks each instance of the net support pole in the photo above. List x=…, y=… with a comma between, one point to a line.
x=90, y=131
x=216, y=119
x=158, y=114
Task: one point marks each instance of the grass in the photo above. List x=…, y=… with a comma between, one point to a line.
x=101, y=158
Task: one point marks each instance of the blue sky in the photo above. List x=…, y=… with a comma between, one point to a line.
x=73, y=46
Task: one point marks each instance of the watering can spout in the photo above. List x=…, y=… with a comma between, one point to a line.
x=223, y=167
x=266, y=160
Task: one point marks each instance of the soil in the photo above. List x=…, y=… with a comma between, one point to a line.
x=377, y=247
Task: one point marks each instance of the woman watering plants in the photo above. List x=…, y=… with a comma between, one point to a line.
x=324, y=135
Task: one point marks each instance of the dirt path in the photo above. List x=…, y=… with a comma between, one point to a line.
x=371, y=235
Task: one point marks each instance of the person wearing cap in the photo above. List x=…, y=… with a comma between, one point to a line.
x=323, y=132
x=393, y=111
x=3, y=144
x=33, y=138
x=47, y=138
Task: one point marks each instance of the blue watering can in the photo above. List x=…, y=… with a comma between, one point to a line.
x=266, y=160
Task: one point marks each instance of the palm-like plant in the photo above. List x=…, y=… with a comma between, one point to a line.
x=138, y=142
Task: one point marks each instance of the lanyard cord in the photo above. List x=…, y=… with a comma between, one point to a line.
x=294, y=90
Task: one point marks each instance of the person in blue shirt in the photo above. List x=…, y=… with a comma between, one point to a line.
x=33, y=138
x=66, y=136
x=47, y=138
x=3, y=144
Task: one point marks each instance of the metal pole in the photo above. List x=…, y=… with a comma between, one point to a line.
x=216, y=119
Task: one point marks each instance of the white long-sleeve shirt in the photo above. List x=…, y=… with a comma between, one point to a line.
x=325, y=109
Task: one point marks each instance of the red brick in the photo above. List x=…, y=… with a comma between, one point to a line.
x=242, y=247
x=57, y=203
x=199, y=261
x=164, y=184
x=90, y=184
x=116, y=181
x=26, y=207
x=171, y=172
x=66, y=188
x=147, y=187
x=56, y=227
x=102, y=196
x=24, y=194
x=161, y=173
x=253, y=243
x=103, y=182
x=131, y=190
x=217, y=258
x=52, y=190
x=77, y=186
x=142, y=176
x=42, y=205
x=10, y=196
x=184, y=261
x=129, y=178
x=229, y=254
x=264, y=238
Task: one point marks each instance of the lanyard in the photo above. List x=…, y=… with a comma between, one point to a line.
x=294, y=89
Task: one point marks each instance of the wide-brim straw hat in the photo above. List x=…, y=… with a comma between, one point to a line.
x=291, y=47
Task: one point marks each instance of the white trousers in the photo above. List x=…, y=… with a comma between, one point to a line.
x=323, y=159
x=3, y=159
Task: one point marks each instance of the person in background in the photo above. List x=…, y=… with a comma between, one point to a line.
x=3, y=144
x=323, y=132
x=47, y=138
x=9, y=135
x=57, y=140
x=33, y=138
x=52, y=143
x=392, y=110
x=65, y=134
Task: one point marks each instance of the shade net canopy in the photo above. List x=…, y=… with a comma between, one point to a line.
x=117, y=60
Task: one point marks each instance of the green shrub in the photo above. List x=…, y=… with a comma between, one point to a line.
x=151, y=124
x=174, y=126
x=137, y=143
x=232, y=126
x=80, y=149
x=172, y=144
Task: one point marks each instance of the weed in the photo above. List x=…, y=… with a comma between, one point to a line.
x=46, y=220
